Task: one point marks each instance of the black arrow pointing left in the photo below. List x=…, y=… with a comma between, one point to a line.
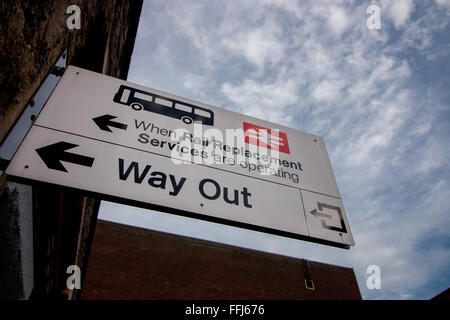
x=105, y=122
x=53, y=154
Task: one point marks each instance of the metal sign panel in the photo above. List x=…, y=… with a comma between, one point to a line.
x=152, y=149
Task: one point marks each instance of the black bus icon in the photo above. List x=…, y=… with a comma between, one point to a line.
x=142, y=100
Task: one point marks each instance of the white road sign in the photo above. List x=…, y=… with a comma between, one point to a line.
x=131, y=144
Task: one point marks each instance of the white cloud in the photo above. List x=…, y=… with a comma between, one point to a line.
x=445, y=4
x=421, y=128
x=288, y=5
x=432, y=156
x=262, y=100
x=327, y=90
x=259, y=46
x=196, y=83
x=420, y=33
x=399, y=11
x=338, y=20
x=385, y=70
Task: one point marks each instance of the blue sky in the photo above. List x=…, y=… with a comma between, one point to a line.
x=379, y=98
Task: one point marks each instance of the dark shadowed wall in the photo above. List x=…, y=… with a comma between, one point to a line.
x=57, y=224
x=132, y=263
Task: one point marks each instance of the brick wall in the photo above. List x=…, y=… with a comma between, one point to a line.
x=133, y=263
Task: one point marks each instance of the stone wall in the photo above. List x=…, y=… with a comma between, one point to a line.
x=34, y=34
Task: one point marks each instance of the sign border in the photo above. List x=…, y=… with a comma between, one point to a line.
x=180, y=212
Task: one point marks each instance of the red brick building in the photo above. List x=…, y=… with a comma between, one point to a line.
x=132, y=263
